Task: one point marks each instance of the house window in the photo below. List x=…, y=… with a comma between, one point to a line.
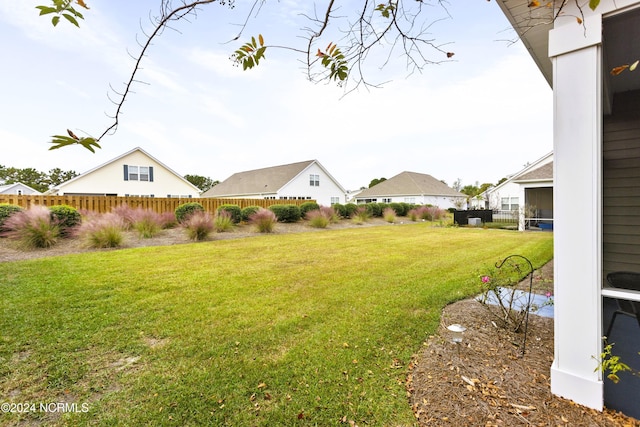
x=138, y=173
x=335, y=200
x=515, y=205
x=133, y=173
x=144, y=173
x=409, y=199
x=386, y=200
x=314, y=180
x=509, y=203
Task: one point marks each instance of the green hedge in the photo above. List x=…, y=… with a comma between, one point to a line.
x=184, y=211
x=286, y=213
x=245, y=214
x=234, y=211
x=308, y=206
x=66, y=217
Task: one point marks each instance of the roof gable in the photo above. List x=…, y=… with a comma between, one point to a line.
x=410, y=183
x=122, y=156
x=264, y=180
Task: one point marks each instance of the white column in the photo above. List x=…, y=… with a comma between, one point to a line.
x=577, y=221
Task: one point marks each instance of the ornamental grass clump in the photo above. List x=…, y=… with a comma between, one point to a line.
x=264, y=220
x=361, y=215
x=223, y=221
x=6, y=210
x=389, y=215
x=318, y=218
x=198, y=225
x=125, y=213
x=413, y=214
x=331, y=213
x=103, y=230
x=146, y=222
x=431, y=213
x=32, y=228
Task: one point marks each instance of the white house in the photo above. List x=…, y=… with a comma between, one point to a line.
x=307, y=180
x=528, y=193
x=134, y=173
x=596, y=183
x=17, y=188
x=412, y=187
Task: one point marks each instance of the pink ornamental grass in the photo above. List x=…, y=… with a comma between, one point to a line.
x=32, y=228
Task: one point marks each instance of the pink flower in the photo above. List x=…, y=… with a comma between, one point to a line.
x=486, y=279
x=548, y=294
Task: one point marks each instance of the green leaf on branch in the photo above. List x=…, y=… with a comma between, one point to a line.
x=593, y=4
x=250, y=53
x=71, y=19
x=60, y=141
x=63, y=8
x=44, y=10
x=386, y=9
x=334, y=60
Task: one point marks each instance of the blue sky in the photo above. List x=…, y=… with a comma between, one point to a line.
x=477, y=118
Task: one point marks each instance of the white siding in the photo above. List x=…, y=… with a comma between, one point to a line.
x=300, y=187
x=109, y=179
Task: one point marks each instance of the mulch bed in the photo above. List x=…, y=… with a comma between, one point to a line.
x=485, y=380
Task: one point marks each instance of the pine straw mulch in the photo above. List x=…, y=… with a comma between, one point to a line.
x=485, y=381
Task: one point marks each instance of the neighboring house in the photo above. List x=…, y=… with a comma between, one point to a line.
x=528, y=193
x=307, y=180
x=412, y=187
x=596, y=116
x=134, y=173
x=17, y=188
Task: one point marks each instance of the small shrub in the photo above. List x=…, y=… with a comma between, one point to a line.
x=413, y=214
x=198, y=225
x=234, y=211
x=184, y=211
x=223, y=221
x=286, y=213
x=103, y=231
x=307, y=207
x=389, y=215
x=431, y=213
x=247, y=212
x=340, y=209
x=373, y=209
x=264, y=220
x=146, y=222
x=6, y=210
x=67, y=218
x=350, y=209
x=361, y=215
x=318, y=218
x=398, y=209
x=32, y=228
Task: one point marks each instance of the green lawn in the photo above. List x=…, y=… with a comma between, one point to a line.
x=298, y=329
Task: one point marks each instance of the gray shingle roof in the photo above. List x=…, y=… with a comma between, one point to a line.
x=542, y=173
x=265, y=180
x=410, y=183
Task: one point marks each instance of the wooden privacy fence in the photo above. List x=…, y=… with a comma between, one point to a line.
x=102, y=204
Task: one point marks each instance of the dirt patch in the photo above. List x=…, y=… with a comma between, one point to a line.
x=9, y=251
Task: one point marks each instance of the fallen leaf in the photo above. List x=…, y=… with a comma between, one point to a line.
x=633, y=66
x=262, y=385
x=534, y=3
x=617, y=70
